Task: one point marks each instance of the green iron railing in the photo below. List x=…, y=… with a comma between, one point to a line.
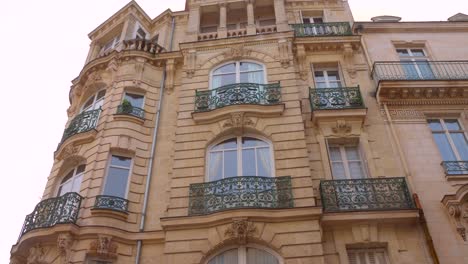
x=455, y=167
x=420, y=70
x=238, y=93
x=131, y=110
x=335, y=98
x=52, y=211
x=322, y=29
x=365, y=195
x=111, y=203
x=240, y=192
x=83, y=122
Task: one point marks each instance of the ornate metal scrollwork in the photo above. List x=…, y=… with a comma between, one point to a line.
x=455, y=167
x=83, y=122
x=111, y=202
x=335, y=98
x=131, y=110
x=420, y=70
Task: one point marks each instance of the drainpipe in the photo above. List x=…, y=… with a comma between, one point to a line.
x=427, y=234
x=153, y=148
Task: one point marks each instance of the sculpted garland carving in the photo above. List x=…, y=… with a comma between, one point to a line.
x=241, y=230
x=238, y=120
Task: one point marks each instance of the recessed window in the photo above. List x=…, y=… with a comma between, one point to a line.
x=415, y=63
x=110, y=44
x=368, y=256
x=327, y=77
x=244, y=255
x=117, y=176
x=450, y=138
x=140, y=33
x=237, y=72
x=94, y=102
x=72, y=181
x=346, y=161
x=240, y=156
x=135, y=99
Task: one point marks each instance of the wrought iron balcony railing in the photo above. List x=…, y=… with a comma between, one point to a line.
x=455, y=167
x=131, y=110
x=52, y=211
x=335, y=98
x=240, y=192
x=365, y=195
x=111, y=203
x=322, y=29
x=83, y=122
x=238, y=93
x=420, y=70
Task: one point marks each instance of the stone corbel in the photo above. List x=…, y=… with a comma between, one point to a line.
x=455, y=212
x=285, y=51
x=240, y=230
x=190, y=62
x=170, y=71
x=64, y=245
x=139, y=69
x=348, y=54
x=302, y=61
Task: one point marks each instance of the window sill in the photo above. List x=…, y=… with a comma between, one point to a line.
x=456, y=177
x=129, y=118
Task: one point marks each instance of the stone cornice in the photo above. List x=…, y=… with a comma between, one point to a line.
x=410, y=27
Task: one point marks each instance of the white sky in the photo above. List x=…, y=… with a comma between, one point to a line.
x=43, y=45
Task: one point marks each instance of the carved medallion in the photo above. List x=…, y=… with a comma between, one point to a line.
x=240, y=230
x=238, y=120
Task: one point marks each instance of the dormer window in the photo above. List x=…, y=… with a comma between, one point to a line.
x=140, y=33
x=110, y=44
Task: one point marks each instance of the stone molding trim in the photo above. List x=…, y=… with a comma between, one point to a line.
x=70, y=143
x=456, y=206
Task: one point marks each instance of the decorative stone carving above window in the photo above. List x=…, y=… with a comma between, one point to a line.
x=103, y=248
x=236, y=120
x=64, y=244
x=340, y=127
x=240, y=230
x=457, y=208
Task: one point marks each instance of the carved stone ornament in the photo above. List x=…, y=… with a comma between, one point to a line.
x=36, y=255
x=236, y=53
x=341, y=128
x=238, y=120
x=240, y=230
x=69, y=151
x=103, y=247
x=455, y=213
x=190, y=62
x=64, y=244
x=285, y=51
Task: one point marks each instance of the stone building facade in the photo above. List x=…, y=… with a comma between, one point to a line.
x=264, y=132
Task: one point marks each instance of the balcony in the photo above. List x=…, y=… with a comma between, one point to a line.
x=82, y=123
x=335, y=98
x=376, y=194
x=421, y=82
x=144, y=45
x=322, y=30
x=114, y=203
x=57, y=210
x=130, y=110
x=240, y=192
x=454, y=168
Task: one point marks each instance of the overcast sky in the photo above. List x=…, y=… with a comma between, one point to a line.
x=43, y=47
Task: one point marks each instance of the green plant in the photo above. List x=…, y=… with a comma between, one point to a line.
x=126, y=106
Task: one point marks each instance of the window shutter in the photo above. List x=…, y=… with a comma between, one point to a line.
x=352, y=258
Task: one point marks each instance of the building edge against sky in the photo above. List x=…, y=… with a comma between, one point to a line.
x=267, y=131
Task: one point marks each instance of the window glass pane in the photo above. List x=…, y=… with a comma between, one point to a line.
x=248, y=162
x=80, y=169
x=221, y=80
x=352, y=153
x=69, y=175
x=227, y=144
x=435, y=124
x=252, y=142
x=116, y=183
x=227, y=257
x=333, y=76
x=452, y=124
x=321, y=85
x=417, y=52
x=228, y=68
x=230, y=163
x=258, y=256
x=335, y=153
x=121, y=161
x=264, y=162
x=424, y=69
x=252, y=77
x=88, y=103
x=101, y=94
x=338, y=170
x=444, y=147
x=66, y=187
x=402, y=52
x=77, y=183
x=461, y=144
x=319, y=76
x=249, y=66
x=215, y=170
x=318, y=20
x=334, y=84
x=306, y=20
x=355, y=169
x=135, y=99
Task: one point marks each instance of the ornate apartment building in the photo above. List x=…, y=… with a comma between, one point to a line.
x=261, y=132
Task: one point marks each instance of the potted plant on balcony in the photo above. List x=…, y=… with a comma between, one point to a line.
x=126, y=106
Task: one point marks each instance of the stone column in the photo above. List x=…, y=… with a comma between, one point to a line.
x=251, y=28
x=280, y=15
x=193, y=24
x=222, y=30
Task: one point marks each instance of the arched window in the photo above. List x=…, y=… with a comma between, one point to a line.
x=72, y=182
x=237, y=72
x=244, y=255
x=240, y=156
x=94, y=102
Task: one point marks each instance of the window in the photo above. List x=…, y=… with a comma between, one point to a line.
x=244, y=255
x=72, y=182
x=240, y=156
x=140, y=33
x=368, y=256
x=237, y=72
x=136, y=100
x=208, y=29
x=312, y=20
x=346, y=161
x=234, y=26
x=327, y=77
x=110, y=44
x=117, y=176
x=415, y=65
x=94, y=102
x=450, y=139
x=155, y=39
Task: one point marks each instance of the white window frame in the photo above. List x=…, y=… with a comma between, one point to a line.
x=312, y=19
x=95, y=100
x=242, y=253
x=140, y=94
x=325, y=71
x=345, y=161
x=130, y=171
x=72, y=178
x=113, y=43
x=138, y=26
x=237, y=72
x=412, y=58
x=239, y=155
x=447, y=132
x=366, y=251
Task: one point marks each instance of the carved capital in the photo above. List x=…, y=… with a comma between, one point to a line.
x=241, y=230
